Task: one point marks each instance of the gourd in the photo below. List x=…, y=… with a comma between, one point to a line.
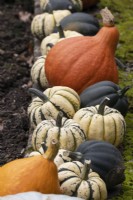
x=38, y=196
x=49, y=41
x=47, y=104
x=43, y=24
x=71, y=5
x=95, y=93
x=67, y=131
x=76, y=179
x=89, y=3
x=37, y=73
x=83, y=23
x=16, y=176
x=89, y=61
x=101, y=122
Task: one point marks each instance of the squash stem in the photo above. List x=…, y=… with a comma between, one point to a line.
x=102, y=106
x=39, y=94
x=61, y=32
x=86, y=169
x=123, y=91
x=52, y=150
x=73, y=155
x=107, y=17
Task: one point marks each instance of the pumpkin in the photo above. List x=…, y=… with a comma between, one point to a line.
x=38, y=196
x=89, y=3
x=71, y=5
x=106, y=160
x=43, y=24
x=47, y=104
x=53, y=38
x=76, y=179
x=101, y=122
x=80, y=22
x=16, y=176
x=89, y=61
x=37, y=73
x=67, y=131
x=95, y=93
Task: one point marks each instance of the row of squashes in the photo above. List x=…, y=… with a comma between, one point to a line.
x=77, y=126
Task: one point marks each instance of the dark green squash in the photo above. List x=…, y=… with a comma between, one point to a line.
x=106, y=160
x=61, y=5
x=83, y=23
x=94, y=94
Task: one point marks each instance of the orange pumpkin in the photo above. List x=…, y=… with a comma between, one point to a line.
x=79, y=62
x=38, y=173
x=88, y=3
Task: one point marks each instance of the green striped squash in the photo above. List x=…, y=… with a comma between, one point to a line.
x=76, y=179
x=67, y=131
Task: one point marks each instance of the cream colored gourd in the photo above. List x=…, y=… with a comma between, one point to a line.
x=76, y=179
x=43, y=24
x=49, y=41
x=48, y=104
x=102, y=123
x=38, y=75
x=67, y=131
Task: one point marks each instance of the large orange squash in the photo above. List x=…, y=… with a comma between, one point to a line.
x=79, y=62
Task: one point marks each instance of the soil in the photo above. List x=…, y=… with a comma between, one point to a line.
x=16, y=56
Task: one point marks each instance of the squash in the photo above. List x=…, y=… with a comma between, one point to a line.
x=43, y=24
x=95, y=93
x=67, y=131
x=80, y=22
x=38, y=196
x=37, y=73
x=49, y=41
x=48, y=104
x=106, y=160
x=89, y=3
x=16, y=176
x=71, y=5
x=89, y=61
x=76, y=179
x=101, y=122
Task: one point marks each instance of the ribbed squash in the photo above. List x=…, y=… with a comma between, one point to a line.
x=38, y=173
x=67, y=131
x=79, y=62
x=101, y=122
x=48, y=104
x=76, y=179
x=95, y=93
x=71, y=5
x=38, y=75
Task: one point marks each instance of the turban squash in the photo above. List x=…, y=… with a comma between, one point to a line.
x=101, y=122
x=76, y=179
x=95, y=93
x=47, y=104
x=38, y=173
x=89, y=61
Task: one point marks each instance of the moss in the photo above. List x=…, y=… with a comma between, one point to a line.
x=122, y=11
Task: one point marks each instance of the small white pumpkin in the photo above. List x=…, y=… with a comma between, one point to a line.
x=101, y=122
x=54, y=38
x=43, y=24
x=67, y=131
x=48, y=104
x=38, y=75
x=76, y=179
